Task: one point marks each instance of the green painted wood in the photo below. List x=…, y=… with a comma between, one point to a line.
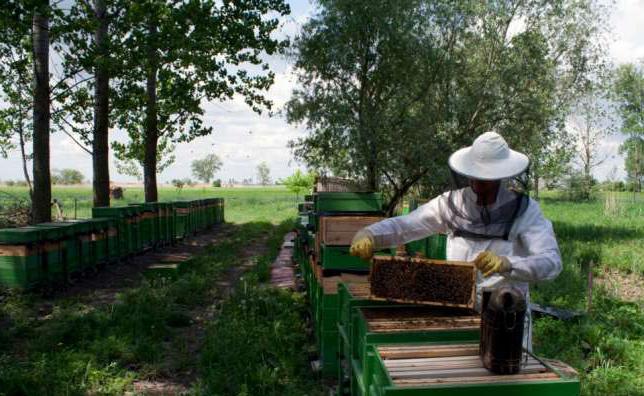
x=349, y=202
x=29, y=234
x=379, y=383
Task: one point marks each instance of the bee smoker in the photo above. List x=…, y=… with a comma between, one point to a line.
x=502, y=325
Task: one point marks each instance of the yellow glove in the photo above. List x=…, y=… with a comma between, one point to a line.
x=489, y=263
x=362, y=246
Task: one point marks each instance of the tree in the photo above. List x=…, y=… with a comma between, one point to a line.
x=204, y=169
x=633, y=148
x=41, y=197
x=67, y=176
x=182, y=54
x=263, y=174
x=390, y=102
x=591, y=123
x=629, y=94
x=299, y=182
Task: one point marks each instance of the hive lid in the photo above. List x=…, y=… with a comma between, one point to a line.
x=84, y=225
x=64, y=228
x=20, y=235
x=107, y=211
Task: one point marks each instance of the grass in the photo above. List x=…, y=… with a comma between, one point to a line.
x=243, y=204
x=255, y=345
x=79, y=348
x=606, y=345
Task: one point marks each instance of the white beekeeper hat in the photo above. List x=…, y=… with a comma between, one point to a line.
x=488, y=158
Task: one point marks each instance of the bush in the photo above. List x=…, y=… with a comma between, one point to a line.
x=67, y=177
x=10, y=183
x=216, y=183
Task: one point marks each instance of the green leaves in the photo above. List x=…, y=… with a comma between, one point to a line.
x=389, y=89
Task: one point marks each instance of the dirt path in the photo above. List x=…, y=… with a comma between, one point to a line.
x=178, y=371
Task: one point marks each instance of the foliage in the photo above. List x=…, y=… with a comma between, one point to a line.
x=591, y=123
x=132, y=156
x=629, y=93
x=204, y=169
x=633, y=147
x=174, y=62
x=299, y=182
x=216, y=183
x=263, y=174
x=389, y=104
x=67, y=176
x=129, y=167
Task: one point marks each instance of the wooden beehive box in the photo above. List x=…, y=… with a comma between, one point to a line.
x=423, y=281
x=339, y=230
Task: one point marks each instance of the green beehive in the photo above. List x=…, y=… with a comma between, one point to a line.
x=433, y=247
x=349, y=202
x=123, y=228
x=182, y=218
x=85, y=247
x=21, y=263
x=112, y=238
x=456, y=370
x=339, y=258
x=160, y=224
x=99, y=242
x=135, y=213
x=52, y=251
x=69, y=258
x=171, y=222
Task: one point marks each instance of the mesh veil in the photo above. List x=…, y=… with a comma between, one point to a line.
x=469, y=216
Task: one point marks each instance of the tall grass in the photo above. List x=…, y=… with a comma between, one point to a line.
x=606, y=345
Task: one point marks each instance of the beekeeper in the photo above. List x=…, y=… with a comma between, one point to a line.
x=488, y=218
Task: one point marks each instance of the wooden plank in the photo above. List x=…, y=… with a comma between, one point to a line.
x=480, y=379
x=448, y=364
x=458, y=372
x=340, y=230
x=426, y=352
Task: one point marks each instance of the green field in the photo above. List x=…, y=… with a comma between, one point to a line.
x=243, y=204
x=82, y=349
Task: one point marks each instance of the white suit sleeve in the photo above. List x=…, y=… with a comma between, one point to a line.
x=419, y=224
x=543, y=261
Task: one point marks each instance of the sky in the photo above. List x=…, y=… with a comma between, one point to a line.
x=243, y=139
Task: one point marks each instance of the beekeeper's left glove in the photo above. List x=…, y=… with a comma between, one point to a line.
x=489, y=263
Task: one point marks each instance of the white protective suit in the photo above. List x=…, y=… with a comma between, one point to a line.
x=531, y=247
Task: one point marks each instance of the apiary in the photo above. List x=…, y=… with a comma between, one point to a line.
x=423, y=281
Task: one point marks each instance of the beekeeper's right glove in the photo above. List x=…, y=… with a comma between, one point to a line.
x=362, y=245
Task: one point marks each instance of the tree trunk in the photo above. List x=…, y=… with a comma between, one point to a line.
x=23, y=154
x=100, y=145
x=536, y=186
x=151, y=126
x=41, y=200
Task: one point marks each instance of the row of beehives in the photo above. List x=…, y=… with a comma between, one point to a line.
x=49, y=254
x=371, y=346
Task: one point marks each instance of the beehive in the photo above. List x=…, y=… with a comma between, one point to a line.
x=423, y=281
x=21, y=262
